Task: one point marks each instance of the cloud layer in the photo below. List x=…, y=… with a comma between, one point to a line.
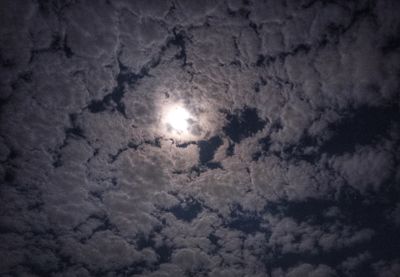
x=291, y=168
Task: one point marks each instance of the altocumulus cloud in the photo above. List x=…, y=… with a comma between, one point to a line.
x=290, y=165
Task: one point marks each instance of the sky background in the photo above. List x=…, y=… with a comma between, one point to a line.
x=290, y=167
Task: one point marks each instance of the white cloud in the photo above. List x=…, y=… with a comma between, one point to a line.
x=78, y=204
x=352, y=263
x=368, y=167
x=306, y=270
x=289, y=236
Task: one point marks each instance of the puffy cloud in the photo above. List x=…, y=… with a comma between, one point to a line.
x=94, y=184
x=353, y=263
x=306, y=270
x=367, y=168
x=387, y=268
x=289, y=236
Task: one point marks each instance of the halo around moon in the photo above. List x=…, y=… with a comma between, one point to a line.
x=177, y=121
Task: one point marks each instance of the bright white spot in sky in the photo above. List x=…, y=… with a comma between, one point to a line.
x=177, y=117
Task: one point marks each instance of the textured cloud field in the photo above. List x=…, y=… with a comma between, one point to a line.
x=290, y=168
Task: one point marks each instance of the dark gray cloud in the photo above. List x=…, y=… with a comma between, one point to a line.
x=289, y=167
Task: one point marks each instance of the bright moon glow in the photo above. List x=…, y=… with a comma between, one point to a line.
x=177, y=117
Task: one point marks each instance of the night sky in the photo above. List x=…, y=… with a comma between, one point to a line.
x=200, y=138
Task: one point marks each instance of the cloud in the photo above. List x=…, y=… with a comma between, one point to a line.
x=353, y=263
x=367, y=168
x=306, y=270
x=387, y=268
x=289, y=236
x=290, y=170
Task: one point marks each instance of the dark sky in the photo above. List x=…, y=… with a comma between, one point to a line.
x=289, y=166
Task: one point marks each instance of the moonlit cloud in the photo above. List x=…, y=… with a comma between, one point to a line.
x=199, y=138
x=177, y=119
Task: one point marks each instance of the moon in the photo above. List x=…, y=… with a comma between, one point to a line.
x=177, y=119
